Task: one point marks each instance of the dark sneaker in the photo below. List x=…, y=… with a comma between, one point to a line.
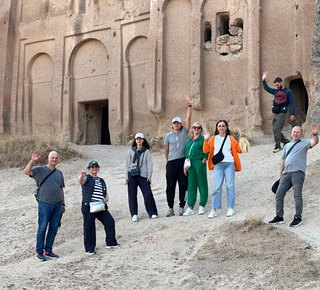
x=90, y=253
x=170, y=212
x=277, y=221
x=40, y=257
x=277, y=149
x=113, y=247
x=296, y=222
x=50, y=255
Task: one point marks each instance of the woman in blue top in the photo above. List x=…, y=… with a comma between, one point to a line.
x=94, y=189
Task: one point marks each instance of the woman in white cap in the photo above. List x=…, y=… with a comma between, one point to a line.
x=138, y=172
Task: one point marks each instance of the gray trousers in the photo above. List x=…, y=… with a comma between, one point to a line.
x=277, y=126
x=287, y=180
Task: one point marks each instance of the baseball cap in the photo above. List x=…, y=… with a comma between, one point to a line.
x=275, y=186
x=93, y=163
x=176, y=119
x=139, y=135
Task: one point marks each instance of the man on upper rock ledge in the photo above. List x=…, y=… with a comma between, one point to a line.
x=282, y=98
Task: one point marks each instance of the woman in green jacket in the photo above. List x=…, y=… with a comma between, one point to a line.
x=197, y=173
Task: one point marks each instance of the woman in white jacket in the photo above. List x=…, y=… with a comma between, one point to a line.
x=138, y=172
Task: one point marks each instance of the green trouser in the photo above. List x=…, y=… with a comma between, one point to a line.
x=197, y=178
x=277, y=126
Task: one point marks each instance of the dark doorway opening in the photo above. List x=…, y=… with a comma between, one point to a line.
x=94, y=123
x=207, y=32
x=105, y=133
x=301, y=100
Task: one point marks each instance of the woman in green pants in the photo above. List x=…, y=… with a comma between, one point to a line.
x=197, y=173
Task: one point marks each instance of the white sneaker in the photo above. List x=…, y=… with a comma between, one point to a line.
x=154, y=216
x=201, y=210
x=135, y=218
x=230, y=211
x=189, y=211
x=212, y=214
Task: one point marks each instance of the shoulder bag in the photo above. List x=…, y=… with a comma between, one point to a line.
x=187, y=161
x=219, y=156
x=136, y=171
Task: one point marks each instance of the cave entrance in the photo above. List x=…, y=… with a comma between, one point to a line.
x=301, y=100
x=94, y=122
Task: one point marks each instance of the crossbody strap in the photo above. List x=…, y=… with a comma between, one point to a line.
x=142, y=158
x=190, y=149
x=224, y=140
x=47, y=177
x=292, y=147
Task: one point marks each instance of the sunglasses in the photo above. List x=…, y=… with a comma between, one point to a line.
x=195, y=127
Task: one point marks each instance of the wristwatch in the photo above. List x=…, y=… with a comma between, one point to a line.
x=315, y=134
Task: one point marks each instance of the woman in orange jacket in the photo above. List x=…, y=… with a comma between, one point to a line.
x=224, y=169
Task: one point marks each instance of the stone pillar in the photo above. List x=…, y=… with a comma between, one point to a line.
x=155, y=58
x=254, y=65
x=196, y=54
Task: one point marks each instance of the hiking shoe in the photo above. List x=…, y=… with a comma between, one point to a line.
x=134, y=218
x=154, y=216
x=50, y=255
x=277, y=221
x=212, y=214
x=170, y=212
x=230, y=212
x=113, y=247
x=90, y=253
x=201, y=210
x=40, y=257
x=277, y=149
x=189, y=211
x=297, y=221
x=181, y=210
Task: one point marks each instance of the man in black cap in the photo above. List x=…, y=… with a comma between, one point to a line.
x=282, y=98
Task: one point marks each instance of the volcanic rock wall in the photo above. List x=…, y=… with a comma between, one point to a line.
x=98, y=71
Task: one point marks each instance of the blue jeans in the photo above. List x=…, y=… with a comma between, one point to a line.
x=48, y=214
x=223, y=170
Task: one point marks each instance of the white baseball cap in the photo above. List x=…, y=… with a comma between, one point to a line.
x=176, y=119
x=139, y=135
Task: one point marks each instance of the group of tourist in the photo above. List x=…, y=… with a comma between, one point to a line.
x=186, y=165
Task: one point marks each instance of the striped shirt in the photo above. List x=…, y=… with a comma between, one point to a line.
x=97, y=190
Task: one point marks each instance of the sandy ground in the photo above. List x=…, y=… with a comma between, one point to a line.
x=193, y=252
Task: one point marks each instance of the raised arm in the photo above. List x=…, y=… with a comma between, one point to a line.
x=189, y=112
x=264, y=75
x=315, y=140
x=265, y=86
x=80, y=178
x=34, y=158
